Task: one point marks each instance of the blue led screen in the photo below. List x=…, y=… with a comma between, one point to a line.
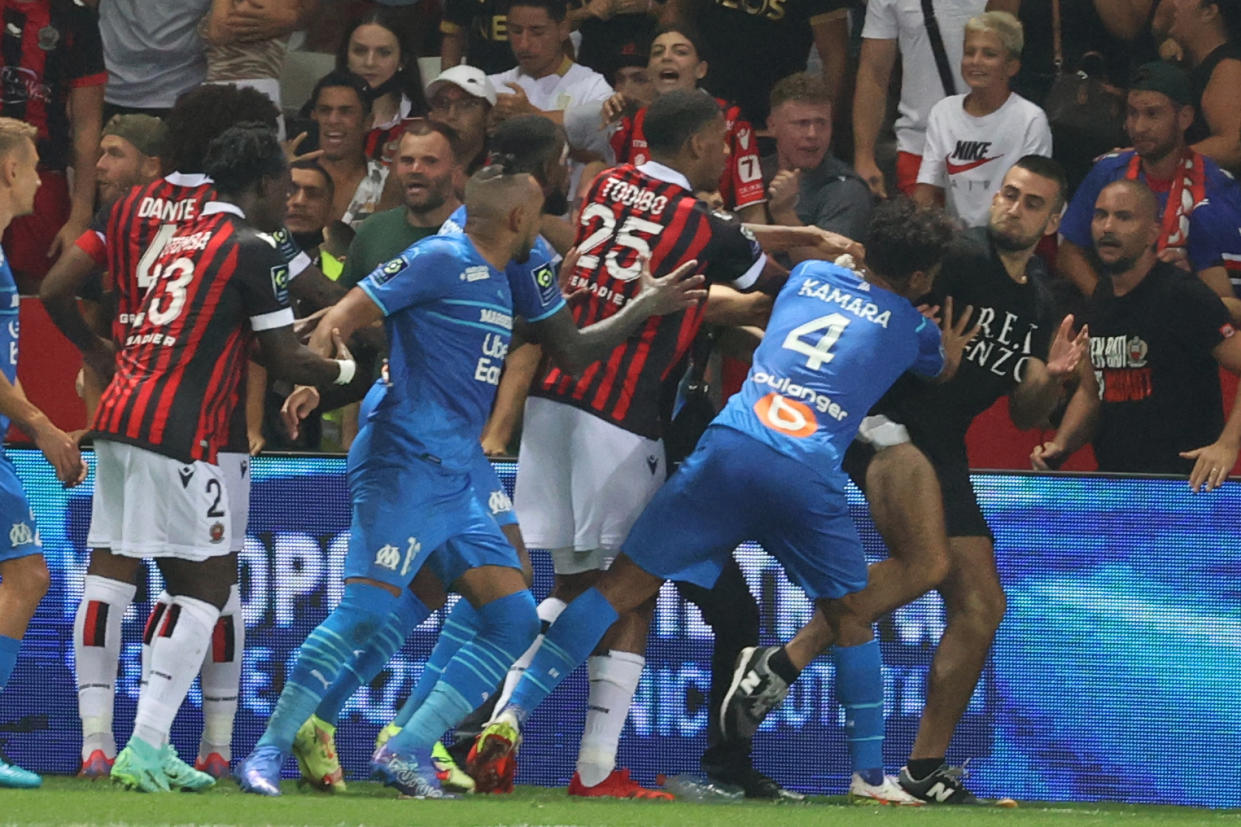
x=1116, y=673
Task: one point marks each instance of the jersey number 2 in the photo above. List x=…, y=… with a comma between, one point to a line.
x=819, y=353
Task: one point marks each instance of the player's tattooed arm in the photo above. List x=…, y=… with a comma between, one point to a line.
x=1038, y=392
x=574, y=350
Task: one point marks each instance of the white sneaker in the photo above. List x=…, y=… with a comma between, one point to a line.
x=889, y=792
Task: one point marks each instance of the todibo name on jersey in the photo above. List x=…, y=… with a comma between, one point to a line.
x=169, y=212
x=630, y=195
x=850, y=303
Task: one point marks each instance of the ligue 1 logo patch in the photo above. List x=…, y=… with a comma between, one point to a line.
x=383, y=274
x=280, y=282
x=545, y=280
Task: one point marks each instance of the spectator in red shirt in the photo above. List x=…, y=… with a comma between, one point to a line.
x=53, y=77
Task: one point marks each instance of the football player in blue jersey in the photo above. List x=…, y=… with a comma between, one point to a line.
x=449, y=316
x=835, y=343
x=23, y=573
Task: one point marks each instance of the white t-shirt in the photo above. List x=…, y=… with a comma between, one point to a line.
x=968, y=156
x=921, y=87
x=577, y=85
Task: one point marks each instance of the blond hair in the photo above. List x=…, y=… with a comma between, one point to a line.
x=1004, y=26
x=15, y=133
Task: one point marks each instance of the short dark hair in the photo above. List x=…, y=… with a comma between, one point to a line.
x=675, y=116
x=1146, y=196
x=315, y=166
x=335, y=78
x=201, y=114
x=425, y=126
x=556, y=9
x=802, y=87
x=904, y=238
x=241, y=155
x=408, y=77
x=687, y=31
x=526, y=143
x=1048, y=168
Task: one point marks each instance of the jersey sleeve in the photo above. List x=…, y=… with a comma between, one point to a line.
x=929, y=360
x=932, y=170
x=733, y=254
x=1200, y=314
x=262, y=277
x=1038, y=135
x=882, y=22
x=535, y=289
x=423, y=273
x=1075, y=224
x=1214, y=240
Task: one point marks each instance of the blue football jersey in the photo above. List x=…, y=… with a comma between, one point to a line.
x=449, y=319
x=834, y=345
x=10, y=318
x=536, y=292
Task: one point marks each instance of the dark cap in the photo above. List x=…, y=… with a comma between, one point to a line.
x=147, y=133
x=1159, y=76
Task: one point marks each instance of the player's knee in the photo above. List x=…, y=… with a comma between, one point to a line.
x=569, y=586
x=363, y=610
x=28, y=578
x=983, y=608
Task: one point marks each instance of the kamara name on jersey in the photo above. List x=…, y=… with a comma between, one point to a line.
x=169, y=212
x=848, y=302
x=630, y=195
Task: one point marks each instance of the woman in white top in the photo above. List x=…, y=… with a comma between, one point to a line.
x=375, y=50
x=972, y=139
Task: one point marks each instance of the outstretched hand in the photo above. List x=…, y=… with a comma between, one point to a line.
x=1067, y=350
x=297, y=406
x=673, y=292
x=1212, y=464
x=954, y=336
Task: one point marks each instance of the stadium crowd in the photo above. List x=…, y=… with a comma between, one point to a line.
x=310, y=225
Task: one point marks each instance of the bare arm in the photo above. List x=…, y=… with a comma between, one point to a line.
x=728, y=306
x=1010, y=6
x=928, y=195
x=1124, y=19
x=287, y=358
x=520, y=368
x=256, y=399
x=86, y=114
x=58, y=292
x=1213, y=463
x=59, y=448
x=261, y=20
x=1034, y=398
x=349, y=315
x=1221, y=108
x=831, y=37
x=869, y=104
x=1073, y=264
x=1081, y=418
x=1217, y=279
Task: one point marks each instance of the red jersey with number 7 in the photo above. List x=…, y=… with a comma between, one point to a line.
x=631, y=214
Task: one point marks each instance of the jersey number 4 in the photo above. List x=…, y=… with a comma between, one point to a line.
x=818, y=353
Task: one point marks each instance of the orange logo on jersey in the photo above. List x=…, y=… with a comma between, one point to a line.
x=788, y=416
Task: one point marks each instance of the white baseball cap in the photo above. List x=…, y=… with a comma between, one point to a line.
x=469, y=79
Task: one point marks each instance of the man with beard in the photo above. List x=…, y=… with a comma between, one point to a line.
x=927, y=512
x=1198, y=203
x=1150, y=397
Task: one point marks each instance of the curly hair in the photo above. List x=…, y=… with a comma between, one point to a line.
x=201, y=114
x=904, y=238
x=241, y=155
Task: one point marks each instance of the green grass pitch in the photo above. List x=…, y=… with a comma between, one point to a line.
x=75, y=801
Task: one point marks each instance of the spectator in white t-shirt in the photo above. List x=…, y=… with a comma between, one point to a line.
x=545, y=81
x=898, y=28
x=972, y=139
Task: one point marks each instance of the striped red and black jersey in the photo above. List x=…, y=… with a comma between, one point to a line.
x=741, y=185
x=179, y=374
x=633, y=213
x=47, y=49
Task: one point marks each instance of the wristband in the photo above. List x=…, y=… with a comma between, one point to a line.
x=348, y=368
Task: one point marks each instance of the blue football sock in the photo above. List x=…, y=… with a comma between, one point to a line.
x=508, y=625
x=567, y=644
x=859, y=685
x=363, y=611
x=363, y=668
x=8, y=658
x=462, y=625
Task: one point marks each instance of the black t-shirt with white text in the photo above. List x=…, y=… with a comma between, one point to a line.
x=1158, y=382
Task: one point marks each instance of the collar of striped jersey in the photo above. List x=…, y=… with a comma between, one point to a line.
x=664, y=173
x=187, y=179
x=213, y=207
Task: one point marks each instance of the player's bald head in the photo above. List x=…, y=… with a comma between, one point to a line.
x=493, y=193
x=1142, y=200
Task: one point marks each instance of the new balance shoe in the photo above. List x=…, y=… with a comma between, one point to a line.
x=96, y=765
x=752, y=783
x=181, y=776
x=259, y=773
x=453, y=778
x=889, y=792
x=414, y=776
x=755, y=691
x=617, y=785
x=140, y=767
x=492, y=761
x=14, y=777
x=384, y=735
x=947, y=786
x=214, y=764
x=314, y=747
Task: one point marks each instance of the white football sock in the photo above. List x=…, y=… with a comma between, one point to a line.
x=221, y=678
x=548, y=611
x=150, y=628
x=96, y=651
x=176, y=654
x=613, y=681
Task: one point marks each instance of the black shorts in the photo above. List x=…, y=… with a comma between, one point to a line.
x=962, y=516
